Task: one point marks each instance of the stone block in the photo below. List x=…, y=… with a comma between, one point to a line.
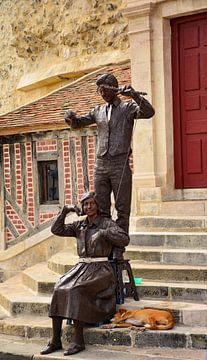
x=46, y=287
x=153, y=292
x=199, y=341
x=12, y=329
x=108, y=337
x=149, y=223
x=194, y=194
x=170, y=274
x=189, y=294
x=149, y=209
x=187, y=240
x=39, y=332
x=147, y=239
x=195, y=317
x=183, y=208
x=39, y=278
x=29, y=308
x=149, y=194
x=185, y=258
x=166, y=338
x=143, y=255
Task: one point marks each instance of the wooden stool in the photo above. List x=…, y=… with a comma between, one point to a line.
x=124, y=289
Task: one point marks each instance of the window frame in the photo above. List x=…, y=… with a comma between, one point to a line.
x=45, y=156
x=43, y=181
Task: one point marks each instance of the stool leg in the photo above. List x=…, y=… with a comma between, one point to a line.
x=132, y=283
x=120, y=287
x=119, y=282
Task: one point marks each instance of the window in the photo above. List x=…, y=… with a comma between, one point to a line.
x=48, y=182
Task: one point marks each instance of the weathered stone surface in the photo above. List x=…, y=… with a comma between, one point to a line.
x=150, y=255
x=187, y=240
x=39, y=278
x=153, y=292
x=195, y=258
x=147, y=239
x=14, y=348
x=189, y=293
x=168, y=339
x=168, y=239
x=164, y=255
x=172, y=223
x=168, y=273
x=62, y=262
x=63, y=31
x=199, y=341
x=194, y=318
x=29, y=308
x=108, y=337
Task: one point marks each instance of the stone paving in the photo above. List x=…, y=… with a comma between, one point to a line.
x=14, y=348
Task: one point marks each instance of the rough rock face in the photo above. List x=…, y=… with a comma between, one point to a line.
x=37, y=33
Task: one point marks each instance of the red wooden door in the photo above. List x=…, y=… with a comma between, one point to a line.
x=189, y=69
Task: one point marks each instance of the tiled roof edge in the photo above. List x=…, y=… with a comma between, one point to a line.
x=82, y=78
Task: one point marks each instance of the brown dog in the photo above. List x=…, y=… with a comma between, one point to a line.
x=152, y=319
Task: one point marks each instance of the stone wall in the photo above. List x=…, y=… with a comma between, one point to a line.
x=55, y=37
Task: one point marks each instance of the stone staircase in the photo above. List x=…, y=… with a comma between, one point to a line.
x=173, y=267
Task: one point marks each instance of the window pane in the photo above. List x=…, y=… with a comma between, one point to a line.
x=48, y=181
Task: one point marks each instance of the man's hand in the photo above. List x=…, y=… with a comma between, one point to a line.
x=128, y=90
x=73, y=208
x=69, y=115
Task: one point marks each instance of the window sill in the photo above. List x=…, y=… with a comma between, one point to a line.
x=45, y=208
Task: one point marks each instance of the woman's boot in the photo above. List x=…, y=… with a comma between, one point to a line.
x=78, y=340
x=55, y=343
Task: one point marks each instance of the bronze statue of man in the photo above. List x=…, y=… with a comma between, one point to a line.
x=115, y=122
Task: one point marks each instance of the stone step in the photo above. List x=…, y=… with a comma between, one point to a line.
x=27, y=326
x=169, y=272
x=187, y=240
x=40, y=278
x=169, y=223
x=17, y=298
x=186, y=291
x=61, y=262
x=186, y=207
x=167, y=256
x=190, y=291
x=14, y=347
x=185, y=313
x=182, y=337
x=147, y=271
x=179, y=337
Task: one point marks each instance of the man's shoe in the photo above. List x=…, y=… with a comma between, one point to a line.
x=74, y=349
x=50, y=347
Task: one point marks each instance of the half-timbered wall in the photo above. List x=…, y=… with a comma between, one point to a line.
x=74, y=152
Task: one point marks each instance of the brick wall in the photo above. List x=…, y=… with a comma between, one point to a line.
x=19, y=194
x=46, y=145
x=67, y=172
x=6, y=161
